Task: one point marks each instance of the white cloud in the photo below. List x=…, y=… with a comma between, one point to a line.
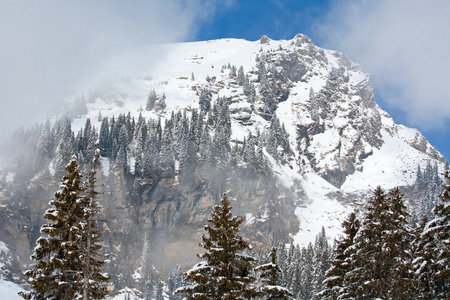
x=50, y=48
x=405, y=45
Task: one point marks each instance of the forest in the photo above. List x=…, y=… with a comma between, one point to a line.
x=380, y=255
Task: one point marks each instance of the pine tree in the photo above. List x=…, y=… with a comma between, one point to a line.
x=57, y=272
x=67, y=257
x=205, y=99
x=174, y=282
x=241, y=76
x=158, y=291
x=269, y=274
x=322, y=256
x=340, y=265
x=121, y=158
x=423, y=258
x=397, y=248
x=381, y=262
x=151, y=100
x=306, y=278
x=44, y=147
x=248, y=89
x=94, y=281
x=161, y=103
x=226, y=271
x=65, y=146
x=435, y=255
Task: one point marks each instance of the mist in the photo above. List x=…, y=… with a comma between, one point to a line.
x=52, y=50
x=404, y=44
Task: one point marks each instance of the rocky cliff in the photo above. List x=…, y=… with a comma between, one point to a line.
x=293, y=136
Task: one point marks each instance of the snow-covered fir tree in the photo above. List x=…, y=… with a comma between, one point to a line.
x=381, y=264
x=151, y=100
x=158, y=293
x=269, y=279
x=226, y=269
x=432, y=262
x=174, y=282
x=66, y=253
x=94, y=280
x=340, y=265
x=241, y=76
x=205, y=99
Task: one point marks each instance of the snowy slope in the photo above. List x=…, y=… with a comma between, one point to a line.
x=353, y=136
x=10, y=290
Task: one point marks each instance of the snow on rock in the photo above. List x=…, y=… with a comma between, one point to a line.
x=321, y=211
x=350, y=129
x=394, y=164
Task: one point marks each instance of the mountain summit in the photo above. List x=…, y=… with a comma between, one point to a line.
x=290, y=131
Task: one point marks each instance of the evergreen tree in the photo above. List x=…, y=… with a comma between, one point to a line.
x=151, y=100
x=269, y=273
x=205, y=145
x=94, y=281
x=435, y=246
x=161, y=104
x=248, y=89
x=306, y=278
x=65, y=146
x=151, y=153
x=226, y=271
x=241, y=76
x=322, y=257
x=233, y=71
x=271, y=142
x=158, y=291
x=205, y=99
x=397, y=247
x=381, y=262
x=174, y=282
x=45, y=146
x=166, y=155
x=89, y=141
x=423, y=259
x=57, y=272
x=340, y=265
x=293, y=256
x=121, y=158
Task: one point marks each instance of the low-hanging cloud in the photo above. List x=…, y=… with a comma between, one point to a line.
x=405, y=45
x=49, y=49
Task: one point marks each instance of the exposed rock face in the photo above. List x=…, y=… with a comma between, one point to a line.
x=324, y=101
x=341, y=108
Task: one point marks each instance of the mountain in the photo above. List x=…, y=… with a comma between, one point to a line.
x=291, y=132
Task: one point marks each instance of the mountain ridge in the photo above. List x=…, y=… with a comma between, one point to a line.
x=307, y=113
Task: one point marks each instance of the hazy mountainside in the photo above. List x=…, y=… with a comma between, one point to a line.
x=291, y=132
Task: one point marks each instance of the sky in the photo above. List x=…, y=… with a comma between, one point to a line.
x=50, y=49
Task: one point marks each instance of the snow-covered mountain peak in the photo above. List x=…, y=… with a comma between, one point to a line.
x=324, y=100
x=309, y=115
